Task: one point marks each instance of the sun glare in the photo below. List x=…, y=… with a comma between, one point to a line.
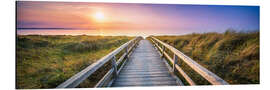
x=99, y=16
x=101, y=33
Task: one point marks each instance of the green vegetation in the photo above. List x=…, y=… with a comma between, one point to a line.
x=234, y=56
x=47, y=61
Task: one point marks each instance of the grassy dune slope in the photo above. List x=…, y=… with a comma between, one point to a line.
x=47, y=61
x=233, y=56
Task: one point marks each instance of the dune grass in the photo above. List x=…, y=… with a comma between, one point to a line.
x=234, y=56
x=45, y=61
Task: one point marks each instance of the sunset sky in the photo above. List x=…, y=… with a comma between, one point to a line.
x=123, y=18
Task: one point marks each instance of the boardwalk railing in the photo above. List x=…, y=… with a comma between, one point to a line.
x=109, y=77
x=208, y=75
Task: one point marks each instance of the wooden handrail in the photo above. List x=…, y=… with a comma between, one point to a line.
x=208, y=75
x=75, y=80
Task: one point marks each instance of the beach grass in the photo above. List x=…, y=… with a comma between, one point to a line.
x=234, y=56
x=45, y=61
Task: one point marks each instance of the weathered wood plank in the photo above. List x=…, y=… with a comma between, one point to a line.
x=146, y=83
x=142, y=70
x=144, y=67
x=145, y=75
x=144, y=79
x=149, y=72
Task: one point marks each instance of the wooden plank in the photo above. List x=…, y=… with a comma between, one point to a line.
x=145, y=76
x=146, y=83
x=144, y=73
x=144, y=67
x=135, y=65
x=208, y=75
x=144, y=79
x=142, y=70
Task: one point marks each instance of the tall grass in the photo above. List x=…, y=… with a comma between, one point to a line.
x=47, y=61
x=234, y=56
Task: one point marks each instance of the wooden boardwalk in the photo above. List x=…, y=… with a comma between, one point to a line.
x=145, y=68
x=141, y=65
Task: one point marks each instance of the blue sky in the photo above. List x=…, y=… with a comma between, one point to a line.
x=130, y=18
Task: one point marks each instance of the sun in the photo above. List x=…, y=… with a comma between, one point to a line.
x=99, y=16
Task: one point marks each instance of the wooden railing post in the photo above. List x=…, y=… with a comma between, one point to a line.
x=136, y=44
x=174, y=62
x=153, y=42
x=113, y=61
x=163, y=50
x=126, y=51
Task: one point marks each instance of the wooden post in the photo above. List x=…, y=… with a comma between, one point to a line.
x=163, y=50
x=113, y=61
x=132, y=43
x=136, y=43
x=154, y=42
x=126, y=51
x=174, y=62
